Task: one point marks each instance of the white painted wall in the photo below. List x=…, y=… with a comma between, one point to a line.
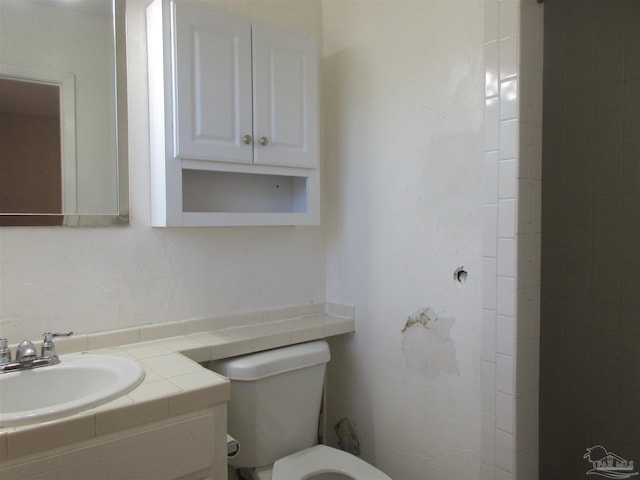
x=403, y=97
x=96, y=279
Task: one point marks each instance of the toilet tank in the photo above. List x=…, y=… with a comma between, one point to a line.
x=275, y=401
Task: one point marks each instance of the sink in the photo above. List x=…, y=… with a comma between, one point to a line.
x=77, y=383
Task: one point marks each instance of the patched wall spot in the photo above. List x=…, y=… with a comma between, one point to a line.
x=427, y=344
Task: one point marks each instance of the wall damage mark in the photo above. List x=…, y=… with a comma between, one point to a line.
x=420, y=318
x=347, y=437
x=427, y=344
x=460, y=276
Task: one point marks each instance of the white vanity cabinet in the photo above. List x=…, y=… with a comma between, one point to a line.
x=233, y=118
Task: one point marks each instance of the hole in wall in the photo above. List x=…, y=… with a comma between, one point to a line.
x=460, y=276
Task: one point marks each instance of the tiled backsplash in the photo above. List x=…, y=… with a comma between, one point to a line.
x=113, y=338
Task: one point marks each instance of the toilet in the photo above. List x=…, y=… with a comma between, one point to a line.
x=273, y=414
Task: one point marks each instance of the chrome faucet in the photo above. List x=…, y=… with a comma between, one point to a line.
x=26, y=352
x=26, y=355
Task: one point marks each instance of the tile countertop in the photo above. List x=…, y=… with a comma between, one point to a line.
x=175, y=383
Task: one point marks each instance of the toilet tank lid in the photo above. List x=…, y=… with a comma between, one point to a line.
x=272, y=362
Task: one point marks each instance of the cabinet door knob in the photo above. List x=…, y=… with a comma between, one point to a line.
x=264, y=141
x=247, y=139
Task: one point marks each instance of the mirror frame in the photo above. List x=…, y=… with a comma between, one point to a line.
x=121, y=217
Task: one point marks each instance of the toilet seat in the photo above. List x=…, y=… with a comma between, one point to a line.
x=323, y=459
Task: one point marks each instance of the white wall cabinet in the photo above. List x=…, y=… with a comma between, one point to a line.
x=233, y=117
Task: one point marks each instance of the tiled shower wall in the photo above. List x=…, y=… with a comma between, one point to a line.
x=590, y=371
x=511, y=244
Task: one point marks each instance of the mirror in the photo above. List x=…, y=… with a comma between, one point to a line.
x=63, y=119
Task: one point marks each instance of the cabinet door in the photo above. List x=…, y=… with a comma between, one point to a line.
x=212, y=61
x=285, y=90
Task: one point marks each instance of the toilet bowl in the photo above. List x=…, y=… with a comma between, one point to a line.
x=319, y=462
x=324, y=463
x=273, y=414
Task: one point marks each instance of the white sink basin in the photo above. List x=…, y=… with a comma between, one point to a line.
x=77, y=383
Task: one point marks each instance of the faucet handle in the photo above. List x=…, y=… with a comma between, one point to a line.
x=48, y=349
x=48, y=336
x=5, y=353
